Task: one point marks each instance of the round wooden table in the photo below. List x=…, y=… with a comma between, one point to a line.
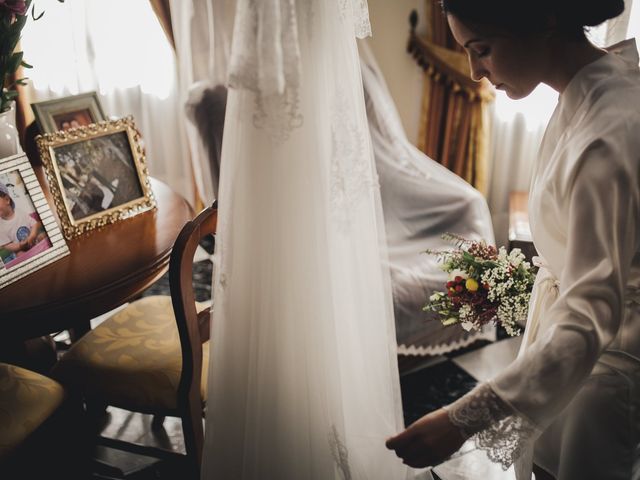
x=105, y=269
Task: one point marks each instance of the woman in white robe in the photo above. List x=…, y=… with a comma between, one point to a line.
x=571, y=401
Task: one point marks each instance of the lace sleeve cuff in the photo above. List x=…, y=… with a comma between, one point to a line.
x=495, y=427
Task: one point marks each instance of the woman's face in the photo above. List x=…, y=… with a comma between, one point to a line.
x=510, y=63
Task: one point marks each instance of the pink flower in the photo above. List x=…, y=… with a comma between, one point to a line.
x=15, y=7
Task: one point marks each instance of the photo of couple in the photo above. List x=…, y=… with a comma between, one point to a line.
x=73, y=119
x=98, y=174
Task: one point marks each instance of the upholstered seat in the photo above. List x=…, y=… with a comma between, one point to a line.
x=153, y=356
x=27, y=400
x=132, y=360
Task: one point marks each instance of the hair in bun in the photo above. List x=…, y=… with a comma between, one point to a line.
x=529, y=16
x=590, y=13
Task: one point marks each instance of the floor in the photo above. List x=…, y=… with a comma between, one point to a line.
x=426, y=384
x=423, y=390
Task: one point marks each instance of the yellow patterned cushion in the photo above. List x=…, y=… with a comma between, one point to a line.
x=131, y=360
x=27, y=399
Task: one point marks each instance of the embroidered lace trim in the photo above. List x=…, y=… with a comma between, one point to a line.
x=340, y=453
x=441, y=348
x=360, y=15
x=495, y=427
x=352, y=175
x=266, y=60
x=266, y=57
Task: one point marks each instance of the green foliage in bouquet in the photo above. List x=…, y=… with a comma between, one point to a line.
x=13, y=17
x=485, y=285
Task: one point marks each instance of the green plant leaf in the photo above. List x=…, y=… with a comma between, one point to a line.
x=468, y=257
x=10, y=95
x=25, y=64
x=19, y=24
x=14, y=62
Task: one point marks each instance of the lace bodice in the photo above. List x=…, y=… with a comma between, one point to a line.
x=266, y=56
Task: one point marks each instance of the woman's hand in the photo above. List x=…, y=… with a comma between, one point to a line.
x=428, y=441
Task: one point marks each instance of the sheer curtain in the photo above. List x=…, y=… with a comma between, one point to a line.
x=203, y=30
x=303, y=380
x=518, y=126
x=118, y=49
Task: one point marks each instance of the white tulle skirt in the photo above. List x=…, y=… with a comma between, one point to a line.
x=303, y=379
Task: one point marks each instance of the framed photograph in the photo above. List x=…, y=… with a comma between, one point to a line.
x=30, y=238
x=68, y=112
x=97, y=174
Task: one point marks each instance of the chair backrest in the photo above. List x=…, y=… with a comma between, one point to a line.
x=193, y=327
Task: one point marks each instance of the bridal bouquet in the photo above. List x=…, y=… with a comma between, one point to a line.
x=485, y=285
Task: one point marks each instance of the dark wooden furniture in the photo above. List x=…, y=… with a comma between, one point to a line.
x=194, y=330
x=105, y=269
x=145, y=359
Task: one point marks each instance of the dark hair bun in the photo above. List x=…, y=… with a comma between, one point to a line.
x=521, y=16
x=590, y=13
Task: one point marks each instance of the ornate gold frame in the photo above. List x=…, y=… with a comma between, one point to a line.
x=19, y=164
x=47, y=144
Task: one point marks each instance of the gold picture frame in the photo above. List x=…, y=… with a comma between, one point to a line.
x=30, y=237
x=97, y=174
x=68, y=112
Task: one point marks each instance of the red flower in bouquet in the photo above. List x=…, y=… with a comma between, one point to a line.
x=15, y=7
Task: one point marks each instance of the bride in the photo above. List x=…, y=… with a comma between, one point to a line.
x=303, y=377
x=571, y=400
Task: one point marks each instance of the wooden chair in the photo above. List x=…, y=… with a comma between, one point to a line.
x=152, y=356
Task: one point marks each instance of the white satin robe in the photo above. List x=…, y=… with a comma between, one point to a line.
x=576, y=380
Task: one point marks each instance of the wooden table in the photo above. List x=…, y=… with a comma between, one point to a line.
x=105, y=269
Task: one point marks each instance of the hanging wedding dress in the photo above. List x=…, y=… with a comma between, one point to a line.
x=576, y=380
x=303, y=379
x=421, y=200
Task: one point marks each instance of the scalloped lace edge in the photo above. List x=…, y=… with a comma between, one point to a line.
x=442, y=348
x=495, y=428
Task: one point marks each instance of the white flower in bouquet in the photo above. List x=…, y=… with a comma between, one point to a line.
x=485, y=285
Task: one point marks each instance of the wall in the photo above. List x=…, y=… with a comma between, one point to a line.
x=390, y=26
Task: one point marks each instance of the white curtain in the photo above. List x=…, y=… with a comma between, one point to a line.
x=516, y=132
x=633, y=26
x=518, y=126
x=202, y=30
x=118, y=49
x=303, y=379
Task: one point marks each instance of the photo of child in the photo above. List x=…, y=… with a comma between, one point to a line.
x=22, y=235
